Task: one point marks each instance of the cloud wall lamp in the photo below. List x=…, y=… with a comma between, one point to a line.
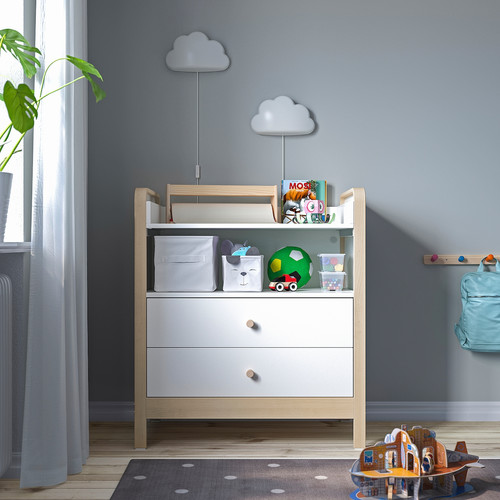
x=282, y=117
x=196, y=53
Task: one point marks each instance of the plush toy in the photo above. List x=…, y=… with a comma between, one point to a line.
x=234, y=251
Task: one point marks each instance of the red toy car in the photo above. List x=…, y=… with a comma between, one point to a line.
x=285, y=282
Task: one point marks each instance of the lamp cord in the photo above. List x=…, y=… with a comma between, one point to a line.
x=197, y=172
x=197, y=168
x=282, y=157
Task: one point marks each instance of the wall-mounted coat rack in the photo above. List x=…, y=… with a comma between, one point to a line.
x=458, y=260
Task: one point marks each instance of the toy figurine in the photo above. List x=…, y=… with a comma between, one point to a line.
x=314, y=209
x=428, y=463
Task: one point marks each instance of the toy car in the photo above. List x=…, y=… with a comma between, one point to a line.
x=285, y=282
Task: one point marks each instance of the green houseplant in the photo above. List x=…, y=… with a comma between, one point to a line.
x=22, y=104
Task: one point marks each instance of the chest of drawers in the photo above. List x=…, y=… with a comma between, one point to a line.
x=213, y=352
x=225, y=355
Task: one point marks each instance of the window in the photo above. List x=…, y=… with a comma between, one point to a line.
x=20, y=15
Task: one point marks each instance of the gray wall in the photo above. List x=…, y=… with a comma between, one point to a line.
x=407, y=102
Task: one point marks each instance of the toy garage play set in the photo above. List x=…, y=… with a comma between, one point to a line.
x=412, y=463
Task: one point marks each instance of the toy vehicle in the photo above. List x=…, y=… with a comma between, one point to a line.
x=285, y=282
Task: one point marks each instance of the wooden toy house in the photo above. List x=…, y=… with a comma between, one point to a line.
x=411, y=463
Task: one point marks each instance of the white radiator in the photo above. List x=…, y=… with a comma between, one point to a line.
x=5, y=373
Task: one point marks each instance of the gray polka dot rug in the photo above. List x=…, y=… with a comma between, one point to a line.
x=258, y=479
x=234, y=479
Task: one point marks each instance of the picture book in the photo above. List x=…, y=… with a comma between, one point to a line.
x=303, y=201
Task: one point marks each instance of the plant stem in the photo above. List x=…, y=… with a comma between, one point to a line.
x=4, y=163
x=6, y=131
x=45, y=72
x=57, y=90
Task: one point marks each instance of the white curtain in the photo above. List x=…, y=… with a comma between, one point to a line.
x=55, y=427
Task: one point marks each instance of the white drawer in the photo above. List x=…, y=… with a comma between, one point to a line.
x=286, y=372
x=217, y=322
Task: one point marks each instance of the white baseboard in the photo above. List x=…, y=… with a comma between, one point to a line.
x=376, y=411
x=434, y=411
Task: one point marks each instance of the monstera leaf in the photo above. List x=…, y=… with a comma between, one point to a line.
x=21, y=106
x=12, y=41
x=87, y=70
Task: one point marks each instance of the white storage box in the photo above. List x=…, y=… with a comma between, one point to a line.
x=185, y=263
x=247, y=276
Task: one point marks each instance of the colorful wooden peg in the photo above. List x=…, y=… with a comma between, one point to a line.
x=434, y=257
x=461, y=258
x=490, y=257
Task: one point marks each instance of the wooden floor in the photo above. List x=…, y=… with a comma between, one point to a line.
x=112, y=446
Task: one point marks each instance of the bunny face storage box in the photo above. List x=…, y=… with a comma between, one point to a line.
x=241, y=267
x=185, y=263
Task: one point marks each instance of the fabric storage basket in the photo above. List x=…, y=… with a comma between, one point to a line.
x=246, y=276
x=185, y=263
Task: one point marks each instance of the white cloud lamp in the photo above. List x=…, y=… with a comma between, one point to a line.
x=196, y=53
x=282, y=117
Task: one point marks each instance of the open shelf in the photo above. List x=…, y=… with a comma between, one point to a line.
x=273, y=226
x=156, y=219
x=308, y=292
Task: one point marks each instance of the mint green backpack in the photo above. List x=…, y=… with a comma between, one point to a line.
x=479, y=325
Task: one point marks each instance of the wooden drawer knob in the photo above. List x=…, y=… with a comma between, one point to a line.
x=250, y=374
x=251, y=323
